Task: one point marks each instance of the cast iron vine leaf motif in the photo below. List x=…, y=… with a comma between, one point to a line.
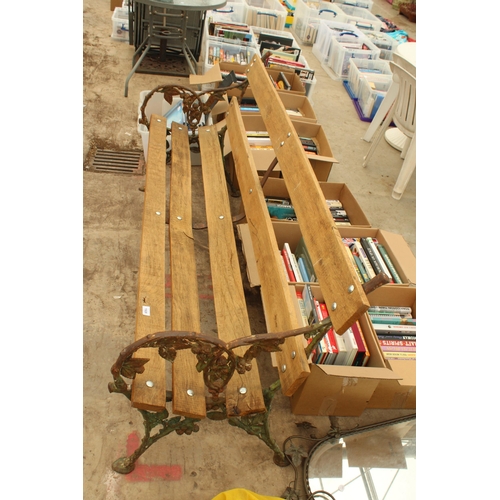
x=132, y=366
x=296, y=453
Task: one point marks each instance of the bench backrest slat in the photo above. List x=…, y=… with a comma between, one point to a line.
x=229, y=298
x=335, y=273
x=185, y=314
x=150, y=310
x=279, y=309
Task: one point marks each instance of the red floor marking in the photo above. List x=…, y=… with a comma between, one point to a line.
x=149, y=472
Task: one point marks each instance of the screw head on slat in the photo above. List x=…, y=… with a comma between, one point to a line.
x=149, y=383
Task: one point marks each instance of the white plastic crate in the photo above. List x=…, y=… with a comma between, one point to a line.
x=387, y=44
x=363, y=19
x=269, y=14
x=371, y=96
x=119, y=19
x=367, y=69
x=159, y=106
x=323, y=43
x=217, y=52
x=307, y=15
x=364, y=4
x=341, y=53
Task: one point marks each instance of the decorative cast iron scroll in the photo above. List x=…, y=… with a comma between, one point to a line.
x=194, y=104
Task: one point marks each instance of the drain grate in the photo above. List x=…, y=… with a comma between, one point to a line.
x=118, y=162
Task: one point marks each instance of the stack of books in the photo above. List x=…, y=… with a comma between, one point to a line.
x=396, y=331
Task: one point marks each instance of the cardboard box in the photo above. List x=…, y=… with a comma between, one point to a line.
x=342, y=390
x=321, y=163
x=113, y=4
x=331, y=190
x=397, y=248
x=301, y=103
x=402, y=393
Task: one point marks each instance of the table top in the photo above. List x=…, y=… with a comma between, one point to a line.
x=407, y=51
x=185, y=4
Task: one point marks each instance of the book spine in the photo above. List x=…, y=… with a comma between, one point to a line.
x=395, y=320
x=330, y=339
x=379, y=258
x=361, y=268
x=400, y=355
x=389, y=263
x=354, y=265
x=293, y=262
x=371, y=257
x=383, y=336
x=302, y=268
x=397, y=343
x=291, y=276
x=390, y=309
x=302, y=307
x=364, y=259
x=387, y=327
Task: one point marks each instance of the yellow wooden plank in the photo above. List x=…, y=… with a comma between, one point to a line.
x=244, y=392
x=185, y=311
x=341, y=289
x=293, y=366
x=150, y=311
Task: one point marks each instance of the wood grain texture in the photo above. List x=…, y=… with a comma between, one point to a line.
x=185, y=311
x=277, y=301
x=229, y=298
x=324, y=243
x=151, y=286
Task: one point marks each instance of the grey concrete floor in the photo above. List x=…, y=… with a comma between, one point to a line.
x=219, y=457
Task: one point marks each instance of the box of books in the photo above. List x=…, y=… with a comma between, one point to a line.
x=345, y=369
x=218, y=52
x=307, y=15
x=318, y=148
x=364, y=4
x=266, y=14
x=343, y=205
x=393, y=314
x=367, y=248
x=386, y=43
x=299, y=107
x=372, y=92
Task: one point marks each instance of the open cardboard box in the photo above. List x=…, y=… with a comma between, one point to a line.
x=287, y=231
x=321, y=163
x=275, y=187
x=402, y=393
x=292, y=102
x=297, y=87
x=340, y=390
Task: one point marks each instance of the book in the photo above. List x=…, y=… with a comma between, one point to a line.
x=342, y=354
x=309, y=305
x=288, y=267
x=384, y=336
x=361, y=268
x=282, y=82
x=302, y=307
x=301, y=251
x=390, y=309
x=388, y=328
x=357, y=249
x=392, y=320
x=400, y=355
x=293, y=262
x=303, y=270
x=351, y=346
x=360, y=341
x=331, y=340
x=388, y=261
x=372, y=258
x=354, y=265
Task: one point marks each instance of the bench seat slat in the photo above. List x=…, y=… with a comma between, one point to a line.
x=229, y=298
x=151, y=286
x=185, y=313
x=276, y=297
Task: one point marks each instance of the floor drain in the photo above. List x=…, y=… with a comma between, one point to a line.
x=118, y=162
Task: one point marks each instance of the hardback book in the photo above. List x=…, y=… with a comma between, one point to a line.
x=354, y=265
x=288, y=267
x=400, y=355
x=302, y=307
x=293, y=262
x=388, y=261
x=303, y=270
x=383, y=336
x=390, y=309
x=359, y=359
x=301, y=251
x=309, y=305
x=372, y=258
x=351, y=346
x=330, y=337
x=342, y=355
x=357, y=249
x=397, y=329
x=379, y=258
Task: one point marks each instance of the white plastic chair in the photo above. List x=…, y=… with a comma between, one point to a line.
x=403, y=113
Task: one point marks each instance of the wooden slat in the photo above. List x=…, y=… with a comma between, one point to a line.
x=151, y=288
x=185, y=313
x=229, y=297
x=324, y=243
x=274, y=287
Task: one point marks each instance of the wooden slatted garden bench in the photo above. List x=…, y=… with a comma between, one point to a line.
x=203, y=385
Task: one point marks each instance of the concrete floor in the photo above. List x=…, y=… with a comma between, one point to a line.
x=219, y=457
